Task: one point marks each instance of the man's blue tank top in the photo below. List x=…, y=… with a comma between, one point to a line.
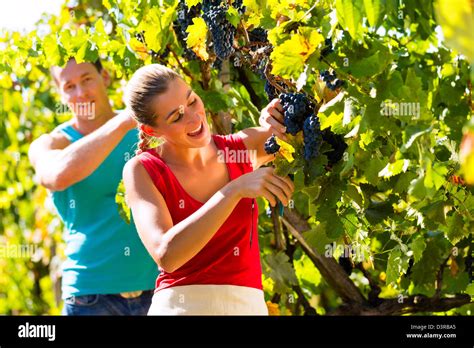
x=104, y=254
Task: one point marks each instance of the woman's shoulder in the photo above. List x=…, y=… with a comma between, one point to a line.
x=132, y=166
x=144, y=160
x=233, y=141
x=145, y=167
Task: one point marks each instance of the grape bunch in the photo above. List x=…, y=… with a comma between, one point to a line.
x=271, y=91
x=296, y=108
x=328, y=48
x=165, y=53
x=346, y=264
x=258, y=36
x=332, y=82
x=312, y=137
x=271, y=146
x=207, y=4
x=239, y=6
x=222, y=31
x=337, y=143
x=185, y=19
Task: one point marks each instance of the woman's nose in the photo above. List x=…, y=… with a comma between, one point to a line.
x=194, y=117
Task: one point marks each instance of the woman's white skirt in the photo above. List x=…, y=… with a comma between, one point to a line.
x=208, y=300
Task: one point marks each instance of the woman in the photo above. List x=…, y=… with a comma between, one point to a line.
x=193, y=206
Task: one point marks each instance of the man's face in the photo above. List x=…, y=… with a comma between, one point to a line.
x=83, y=89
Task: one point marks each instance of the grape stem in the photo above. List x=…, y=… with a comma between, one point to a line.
x=439, y=277
x=246, y=34
x=185, y=70
x=347, y=77
x=308, y=12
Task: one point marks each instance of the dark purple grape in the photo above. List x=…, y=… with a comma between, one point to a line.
x=346, y=264
x=337, y=143
x=327, y=49
x=184, y=20
x=222, y=31
x=296, y=108
x=312, y=137
x=239, y=6
x=332, y=82
x=271, y=146
x=258, y=35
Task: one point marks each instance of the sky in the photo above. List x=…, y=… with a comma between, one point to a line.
x=23, y=14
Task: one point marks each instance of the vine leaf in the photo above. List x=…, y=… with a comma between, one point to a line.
x=197, y=38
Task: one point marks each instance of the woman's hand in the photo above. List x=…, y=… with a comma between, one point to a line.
x=263, y=182
x=271, y=118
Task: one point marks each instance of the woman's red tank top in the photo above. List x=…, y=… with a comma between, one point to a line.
x=232, y=255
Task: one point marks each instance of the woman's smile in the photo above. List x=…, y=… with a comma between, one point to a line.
x=197, y=132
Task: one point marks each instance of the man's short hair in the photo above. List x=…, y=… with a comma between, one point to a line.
x=97, y=64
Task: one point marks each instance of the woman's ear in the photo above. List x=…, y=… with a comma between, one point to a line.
x=148, y=130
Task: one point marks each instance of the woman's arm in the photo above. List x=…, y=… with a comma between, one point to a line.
x=173, y=246
x=271, y=122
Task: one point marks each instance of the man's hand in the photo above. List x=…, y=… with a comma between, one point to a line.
x=60, y=164
x=271, y=118
x=127, y=122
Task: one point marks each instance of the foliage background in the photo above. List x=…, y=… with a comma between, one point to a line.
x=393, y=193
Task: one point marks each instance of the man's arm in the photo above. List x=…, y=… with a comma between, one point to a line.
x=60, y=164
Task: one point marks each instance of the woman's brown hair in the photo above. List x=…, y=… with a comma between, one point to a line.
x=147, y=83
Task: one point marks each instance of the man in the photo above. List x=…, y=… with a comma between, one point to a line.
x=108, y=271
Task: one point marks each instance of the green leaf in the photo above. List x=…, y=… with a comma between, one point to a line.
x=197, y=37
x=314, y=168
x=449, y=14
x=289, y=57
x=51, y=50
x=329, y=217
x=435, y=212
x=330, y=120
x=349, y=15
x=418, y=245
x=456, y=229
x=372, y=65
x=87, y=53
x=470, y=289
x=424, y=271
x=412, y=133
x=306, y=272
x=122, y=206
x=191, y=3
x=393, y=265
x=395, y=168
x=318, y=239
x=373, y=9
x=435, y=176
x=281, y=271
x=233, y=16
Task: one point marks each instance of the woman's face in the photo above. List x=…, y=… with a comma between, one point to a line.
x=181, y=118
